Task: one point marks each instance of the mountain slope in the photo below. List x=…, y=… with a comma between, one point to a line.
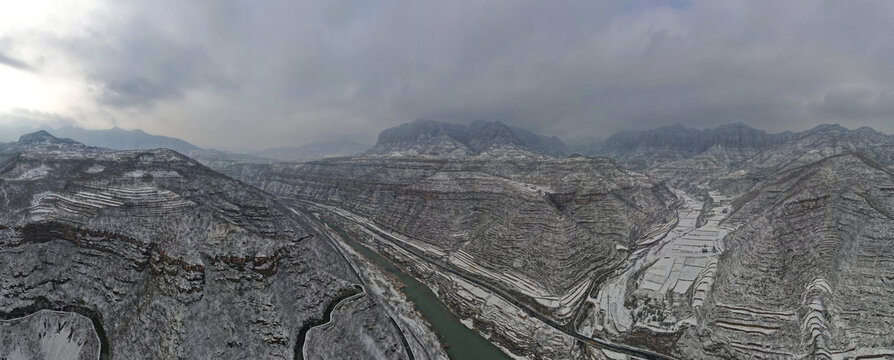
x=807, y=273
x=167, y=258
x=137, y=139
x=645, y=149
x=539, y=231
x=734, y=158
x=120, y=139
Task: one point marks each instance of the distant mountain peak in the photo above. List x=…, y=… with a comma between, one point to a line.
x=42, y=136
x=480, y=137
x=827, y=128
x=735, y=125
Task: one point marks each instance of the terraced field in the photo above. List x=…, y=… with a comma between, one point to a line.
x=674, y=273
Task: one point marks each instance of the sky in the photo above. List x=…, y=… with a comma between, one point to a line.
x=256, y=74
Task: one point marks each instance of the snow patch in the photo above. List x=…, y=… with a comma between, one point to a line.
x=152, y=173
x=32, y=174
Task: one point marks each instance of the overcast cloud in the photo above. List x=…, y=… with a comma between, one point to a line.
x=255, y=74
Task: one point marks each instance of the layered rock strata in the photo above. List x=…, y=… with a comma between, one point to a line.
x=807, y=273
x=167, y=258
x=535, y=233
x=540, y=228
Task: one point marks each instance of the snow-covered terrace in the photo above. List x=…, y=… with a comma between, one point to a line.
x=561, y=305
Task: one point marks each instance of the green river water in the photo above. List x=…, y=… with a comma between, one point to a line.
x=463, y=343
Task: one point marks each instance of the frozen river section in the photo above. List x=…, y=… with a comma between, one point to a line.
x=656, y=280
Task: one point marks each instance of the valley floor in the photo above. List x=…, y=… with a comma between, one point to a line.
x=676, y=272
x=512, y=321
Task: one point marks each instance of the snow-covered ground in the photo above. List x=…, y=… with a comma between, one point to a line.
x=49, y=334
x=415, y=328
x=685, y=258
x=153, y=173
x=529, y=334
x=24, y=174
x=560, y=304
x=88, y=203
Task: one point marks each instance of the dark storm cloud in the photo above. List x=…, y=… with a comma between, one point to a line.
x=145, y=57
x=279, y=72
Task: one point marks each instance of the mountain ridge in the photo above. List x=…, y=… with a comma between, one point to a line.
x=159, y=252
x=312, y=150
x=424, y=137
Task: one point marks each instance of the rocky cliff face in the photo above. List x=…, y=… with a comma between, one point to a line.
x=166, y=258
x=806, y=274
x=492, y=138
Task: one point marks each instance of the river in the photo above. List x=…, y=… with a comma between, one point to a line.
x=462, y=342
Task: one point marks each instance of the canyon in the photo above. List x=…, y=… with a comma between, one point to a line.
x=455, y=241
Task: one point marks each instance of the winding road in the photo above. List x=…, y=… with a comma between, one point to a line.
x=564, y=328
x=301, y=355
